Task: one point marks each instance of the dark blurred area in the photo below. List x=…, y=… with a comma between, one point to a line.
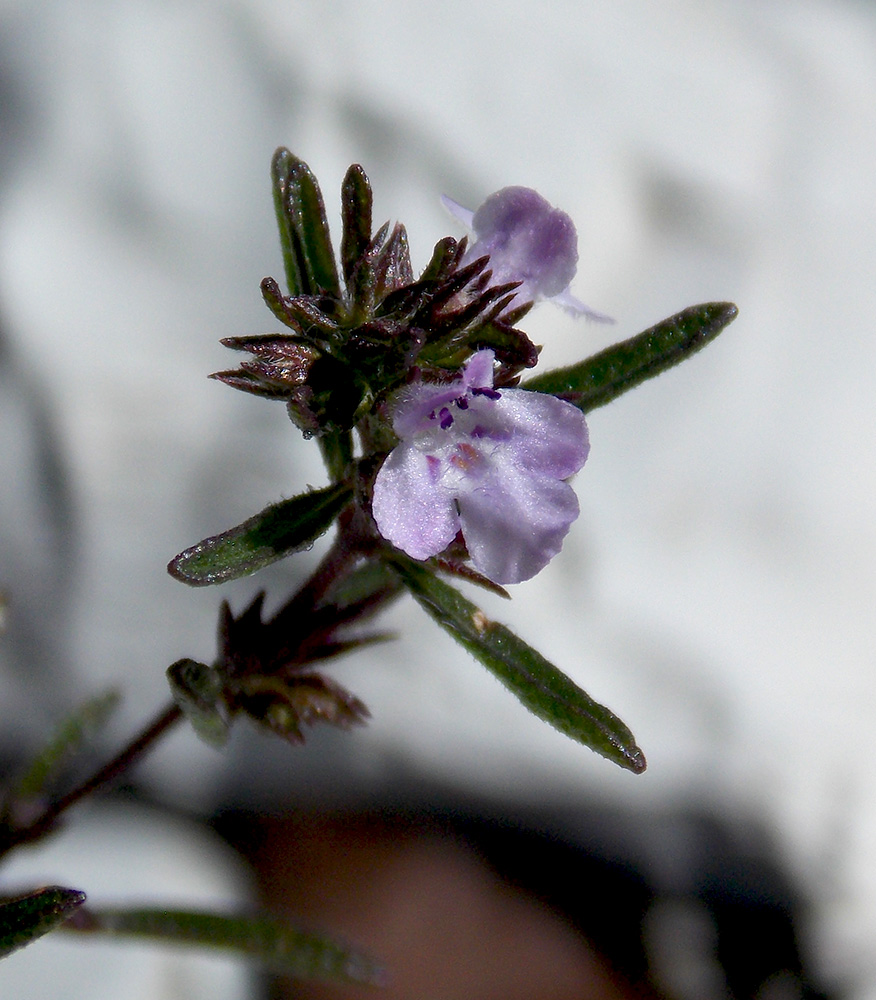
x=462, y=902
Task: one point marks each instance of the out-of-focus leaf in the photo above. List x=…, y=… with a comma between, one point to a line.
x=275, y=532
x=538, y=684
x=75, y=731
x=602, y=378
x=198, y=690
x=28, y=917
x=273, y=944
x=304, y=235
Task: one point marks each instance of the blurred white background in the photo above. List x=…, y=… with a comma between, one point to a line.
x=718, y=590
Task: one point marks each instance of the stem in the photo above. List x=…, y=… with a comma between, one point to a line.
x=331, y=568
x=348, y=546
x=120, y=763
x=337, y=453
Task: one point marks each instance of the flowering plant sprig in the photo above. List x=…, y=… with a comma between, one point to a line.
x=441, y=463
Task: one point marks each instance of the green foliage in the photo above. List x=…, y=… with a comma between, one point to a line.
x=76, y=731
x=621, y=367
x=26, y=918
x=272, y=534
x=348, y=348
x=356, y=204
x=353, y=336
x=538, y=684
x=271, y=943
x=304, y=233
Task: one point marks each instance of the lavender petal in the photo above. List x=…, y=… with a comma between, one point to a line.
x=410, y=507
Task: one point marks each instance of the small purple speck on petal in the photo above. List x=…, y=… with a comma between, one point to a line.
x=446, y=418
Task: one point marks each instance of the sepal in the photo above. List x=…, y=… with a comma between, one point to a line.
x=284, y=706
x=265, y=666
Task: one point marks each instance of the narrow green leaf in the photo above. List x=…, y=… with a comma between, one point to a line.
x=77, y=729
x=26, y=918
x=356, y=203
x=538, y=684
x=602, y=378
x=304, y=233
x=314, y=233
x=296, y=278
x=274, y=944
x=275, y=532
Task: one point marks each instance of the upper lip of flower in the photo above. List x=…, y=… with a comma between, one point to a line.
x=529, y=241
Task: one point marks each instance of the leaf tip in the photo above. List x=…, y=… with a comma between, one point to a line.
x=724, y=313
x=634, y=760
x=177, y=568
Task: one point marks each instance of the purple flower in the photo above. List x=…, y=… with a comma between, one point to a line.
x=529, y=241
x=489, y=462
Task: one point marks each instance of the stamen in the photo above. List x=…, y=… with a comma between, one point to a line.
x=489, y=393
